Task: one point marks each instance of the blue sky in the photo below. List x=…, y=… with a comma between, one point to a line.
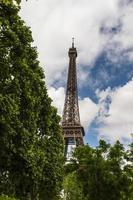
x=103, y=34
x=105, y=74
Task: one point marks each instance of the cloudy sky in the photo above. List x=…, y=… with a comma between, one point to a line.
x=103, y=32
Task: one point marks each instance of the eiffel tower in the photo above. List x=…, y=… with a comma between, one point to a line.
x=72, y=129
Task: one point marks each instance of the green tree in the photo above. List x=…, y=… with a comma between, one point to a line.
x=73, y=188
x=103, y=172
x=31, y=143
x=4, y=197
x=128, y=168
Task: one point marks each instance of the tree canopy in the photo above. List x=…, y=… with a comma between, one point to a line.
x=101, y=173
x=31, y=143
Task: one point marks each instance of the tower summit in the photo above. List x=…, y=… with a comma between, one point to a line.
x=72, y=129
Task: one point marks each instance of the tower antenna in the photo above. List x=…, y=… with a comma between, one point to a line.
x=73, y=42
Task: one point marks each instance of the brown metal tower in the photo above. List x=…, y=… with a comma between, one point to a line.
x=72, y=129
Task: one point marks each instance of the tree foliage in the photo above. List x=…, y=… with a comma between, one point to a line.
x=73, y=188
x=5, y=197
x=31, y=143
x=102, y=173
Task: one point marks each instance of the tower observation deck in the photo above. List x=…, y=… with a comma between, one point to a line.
x=72, y=129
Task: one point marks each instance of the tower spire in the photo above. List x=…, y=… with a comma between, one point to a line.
x=72, y=42
x=72, y=129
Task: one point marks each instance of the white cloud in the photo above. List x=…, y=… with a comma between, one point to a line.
x=117, y=120
x=125, y=35
x=58, y=97
x=53, y=23
x=88, y=109
x=121, y=45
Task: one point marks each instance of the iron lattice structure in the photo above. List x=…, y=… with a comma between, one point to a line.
x=71, y=125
